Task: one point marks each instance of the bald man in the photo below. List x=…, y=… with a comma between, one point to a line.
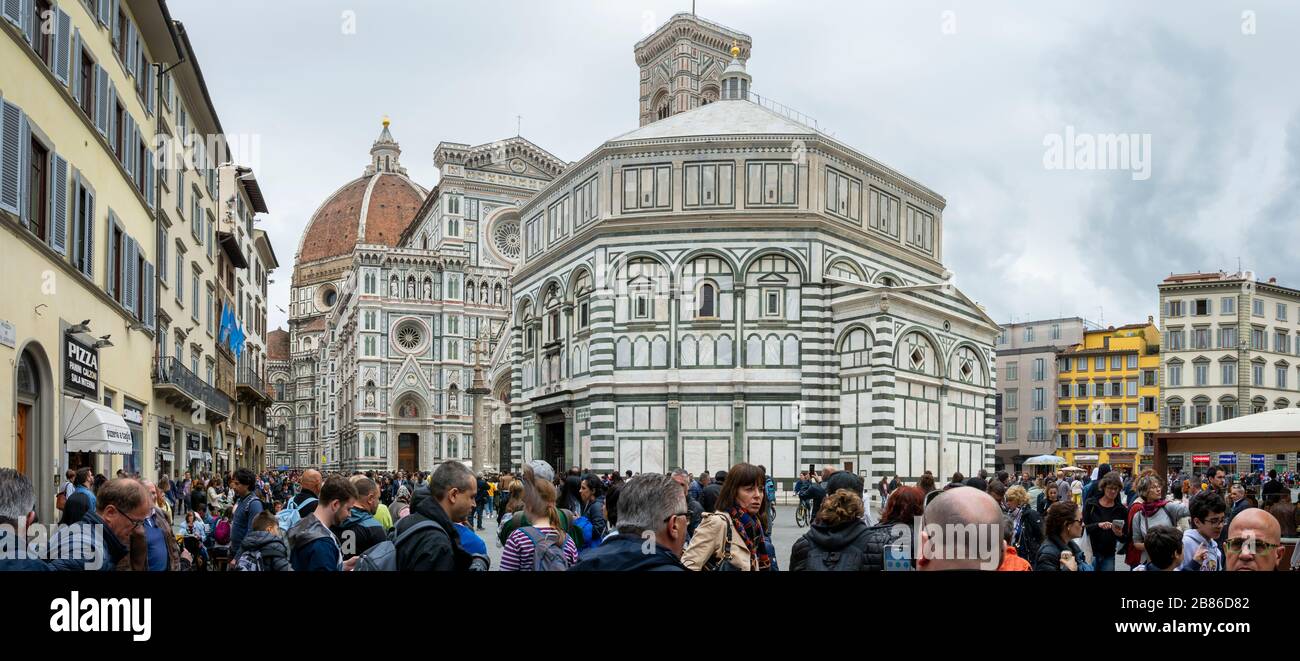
x=961, y=530
x=309, y=485
x=1254, y=541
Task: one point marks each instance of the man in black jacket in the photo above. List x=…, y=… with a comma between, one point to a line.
x=308, y=487
x=709, y=498
x=361, y=530
x=649, y=503
x=436, y=547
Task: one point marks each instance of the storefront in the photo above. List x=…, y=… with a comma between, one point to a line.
x=1257, y=462
x=165, y=458
x=93, y=431
x=1228, y=461
x=1124, y=462
x=1200, y=462
x=1087, y=461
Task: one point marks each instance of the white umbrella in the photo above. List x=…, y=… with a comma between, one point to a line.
x=1044, y=460
x=1069, y=469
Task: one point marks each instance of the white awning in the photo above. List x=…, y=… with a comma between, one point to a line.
x=166, y=455
x=91, y=427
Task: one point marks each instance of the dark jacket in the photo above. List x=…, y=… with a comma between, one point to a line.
x=312, y=547
x=623, y=552
x=595, y=513
x=1031, y=534
x=199, y=500
x=360, y=531
x=709, y=499
x=1049, y=556
x=433, y=548
x=697, y=512
x=275, y=553
x=1094, y=514
x=87, y=545
x=249, y=508
x=872, y=540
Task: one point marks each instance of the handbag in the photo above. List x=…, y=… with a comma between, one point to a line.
x=725, y=563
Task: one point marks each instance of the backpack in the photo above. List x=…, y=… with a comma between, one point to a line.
x=548, y=552
x=383, y=556
x=222, y=532
x=250, y=561
x=589, y=539
x=290, y=515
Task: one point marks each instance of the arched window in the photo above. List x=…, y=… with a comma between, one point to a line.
x=582, y=299
x=708, y=301
x=553, y=314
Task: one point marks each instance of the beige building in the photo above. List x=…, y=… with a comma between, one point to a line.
x=1231, y=347
x=1027, y=386
x=78, y=93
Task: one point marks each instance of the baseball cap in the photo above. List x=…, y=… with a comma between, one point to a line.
x=542, y=470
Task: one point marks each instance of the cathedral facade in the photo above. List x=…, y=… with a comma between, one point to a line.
x=398, y=293
x=728, y=284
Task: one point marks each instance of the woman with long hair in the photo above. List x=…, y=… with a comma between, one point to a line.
x=733, y=537
x=161, y=489
x=1063, y=525
x=545, y=529
x=1026, y=525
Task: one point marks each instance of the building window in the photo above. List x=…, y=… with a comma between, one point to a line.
x=647, y=188
x=1228, y=337
x=1281, y=377
x=768, y=184
x=1148, y=378
x=707, y=301
x=1009, y=431
x=1116, y=362
x=1065, y=390
x=1281, y=311
x=1257, y=307
x=1258, y=340
x=1040, y=399
x=1229, y=373
x=1175, y=339
x=1228, y=305
x=1056, y=331
x=1175, y=375
x=883, y=212
x=1202, y=372
x=1257, y=374
x=1040, y=371
x=1064, y=364
x=709, y=184
x=1013, y=400
x=771, y=302
x=1200, y=338
x=1029, y=333
x=1175, y=415
x=1174, y=309
x=1099, y=364
x=1201, y=307
x=1013, y=371
x=920, y=229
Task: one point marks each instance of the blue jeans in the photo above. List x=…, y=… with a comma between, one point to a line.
x=1103, y=564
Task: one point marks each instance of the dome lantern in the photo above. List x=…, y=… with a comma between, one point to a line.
x=735, y=80
x=384, y=153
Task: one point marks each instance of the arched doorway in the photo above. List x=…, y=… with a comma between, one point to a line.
x=34, y=427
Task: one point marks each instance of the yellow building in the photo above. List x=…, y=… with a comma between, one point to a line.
x=77, y=199
x=1108, y=400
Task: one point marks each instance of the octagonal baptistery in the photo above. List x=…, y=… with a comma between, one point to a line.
x=711, y=288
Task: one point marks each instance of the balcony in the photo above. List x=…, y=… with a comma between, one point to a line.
x=180, y=387
x=247, y=381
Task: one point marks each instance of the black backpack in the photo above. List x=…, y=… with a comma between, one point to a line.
x=850, y=558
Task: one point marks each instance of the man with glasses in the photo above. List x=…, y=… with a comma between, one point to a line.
x=1254, y=541
x=103, y=537
x=1200, y=542
x=652, y=522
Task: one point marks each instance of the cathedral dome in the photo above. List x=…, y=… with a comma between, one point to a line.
x=373, y=208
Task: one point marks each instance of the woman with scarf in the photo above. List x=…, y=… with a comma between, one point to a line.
x=1154, y=511
x=733, y=534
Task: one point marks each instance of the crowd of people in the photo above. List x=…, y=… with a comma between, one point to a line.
x=583, y=521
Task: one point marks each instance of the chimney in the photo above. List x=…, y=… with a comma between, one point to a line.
x=1272, y=281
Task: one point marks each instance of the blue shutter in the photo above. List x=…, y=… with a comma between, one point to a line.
x=13, y=11
x=110, y=106
x=74, y=73
x=105, y=19
x=88, y=233
x=59, y=204
x=110, y=279
x=128, y=135
x=24, y=167
x=29, y=22
x=101, y=100
x=150, y=186
x=147, y=308
x=62, y=26
x=11, y=118
x=129, y=275
x=150, y=87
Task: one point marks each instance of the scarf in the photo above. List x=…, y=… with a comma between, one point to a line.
x=751, y=530
x=1149, y=509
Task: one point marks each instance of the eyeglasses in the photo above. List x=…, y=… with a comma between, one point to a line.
x=1251, y=546
x=1215, y=521
x=135, y=523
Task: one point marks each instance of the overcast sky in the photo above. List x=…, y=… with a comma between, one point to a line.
x=961, y=96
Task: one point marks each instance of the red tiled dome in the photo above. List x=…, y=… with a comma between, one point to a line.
x=381, y=205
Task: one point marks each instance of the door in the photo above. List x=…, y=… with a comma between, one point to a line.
x=408, y=452
x=24, y=416
x=554, y=449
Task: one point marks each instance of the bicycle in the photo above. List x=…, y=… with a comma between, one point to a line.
x=802, y=513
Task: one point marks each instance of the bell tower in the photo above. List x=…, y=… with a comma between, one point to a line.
x=682, y=64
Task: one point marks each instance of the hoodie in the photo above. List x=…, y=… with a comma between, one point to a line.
x=312, y=547
x=872, y=540
x=359, y=532
x=435, y=548
x=623, y=552
x=1192, y=540
x=275, y=553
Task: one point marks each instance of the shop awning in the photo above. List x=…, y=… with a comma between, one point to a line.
x=91, y=427
x=166, y=456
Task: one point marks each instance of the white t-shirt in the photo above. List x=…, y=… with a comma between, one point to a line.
x=68, y=489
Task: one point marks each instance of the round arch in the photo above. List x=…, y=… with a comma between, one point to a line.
x=39, y=438
x=677, y=272
x=774, y=250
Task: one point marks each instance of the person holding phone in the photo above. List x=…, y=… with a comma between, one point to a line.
x=1103, y=518
x=1063, y=525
